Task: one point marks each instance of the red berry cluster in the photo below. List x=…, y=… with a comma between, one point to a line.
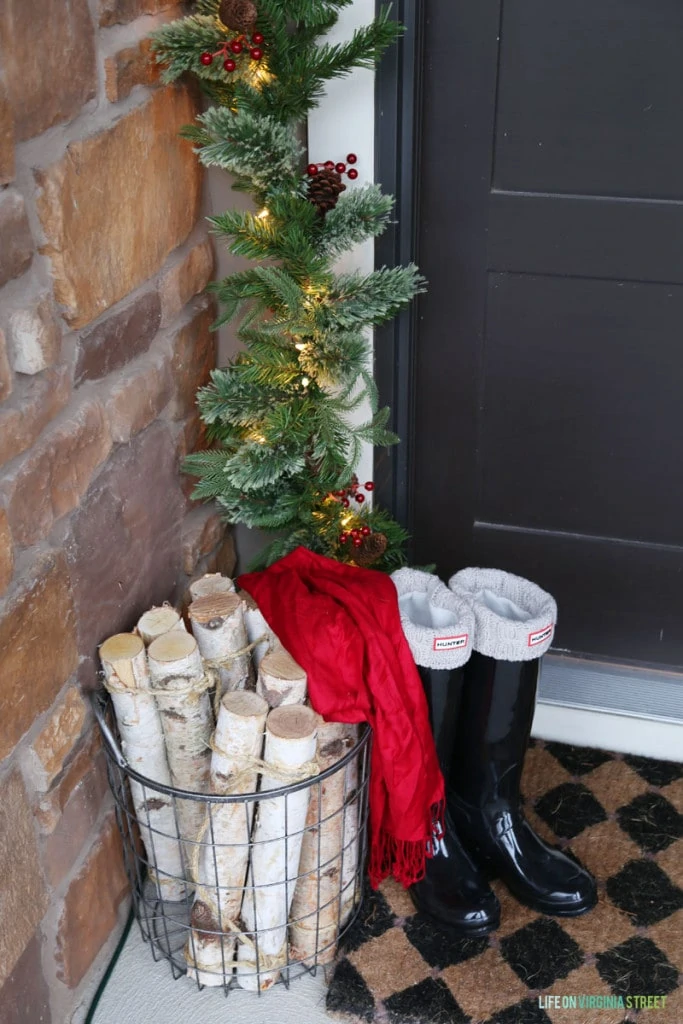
x=340, y=168
x=355, y=536
x=352, y=492
x=236, y=46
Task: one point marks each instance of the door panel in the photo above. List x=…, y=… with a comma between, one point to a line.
x=585, y=95
x=549, y=376
x=581, y=382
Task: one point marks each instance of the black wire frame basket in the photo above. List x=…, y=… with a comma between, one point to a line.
x=169, y=924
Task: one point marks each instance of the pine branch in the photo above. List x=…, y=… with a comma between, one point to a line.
x=360, y=214
x=281, y=416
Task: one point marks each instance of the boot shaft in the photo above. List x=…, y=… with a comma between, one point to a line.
x=494, y=716
x=443, y=690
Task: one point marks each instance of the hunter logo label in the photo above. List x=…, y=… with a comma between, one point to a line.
x=450, y=643
x=540, y=635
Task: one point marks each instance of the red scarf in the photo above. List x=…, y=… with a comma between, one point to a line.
x=342, y=625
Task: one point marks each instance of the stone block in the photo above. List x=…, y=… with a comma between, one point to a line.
x=6, y=138
x=34, y=337
x=48, y=52
x=56, y=473
x=184, y=279
x=47, y=754
x=124, y=549
x=225, y=559
x=5, y=371
x=118, y=338
x=194, y=357
x=31, y=408
x=203, y=530
x=25, y=997
x=88, y=761
x=24, y=897
x=139, y=396
x=16, y=250
x=135, y=65
x=90, y=905
x=113, y=12
x=38, y=644
x=6, y=553
x=62, y=847
x=107, y=230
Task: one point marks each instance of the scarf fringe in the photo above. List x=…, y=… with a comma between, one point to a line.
x=404, y=859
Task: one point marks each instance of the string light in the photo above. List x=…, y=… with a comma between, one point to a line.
x=300, y=346
x=263, y=214
x=305, y=382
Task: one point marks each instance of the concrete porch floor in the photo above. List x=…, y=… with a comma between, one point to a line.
x=142, y=991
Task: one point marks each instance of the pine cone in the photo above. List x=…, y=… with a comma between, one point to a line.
x=324, y=189
x=371, y=550
x=239, y=15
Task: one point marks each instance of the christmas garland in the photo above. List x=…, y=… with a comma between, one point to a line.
x=283, y=450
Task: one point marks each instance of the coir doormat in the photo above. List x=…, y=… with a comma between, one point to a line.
x=621, y=816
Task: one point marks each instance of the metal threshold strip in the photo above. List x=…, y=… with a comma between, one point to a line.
x=636, y=692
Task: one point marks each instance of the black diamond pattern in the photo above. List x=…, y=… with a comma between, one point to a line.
x=657, y=773
x=651, y=821
x=645, y=892
x=578, y=760
x=440, y=948
x=569, y=809
x=637, y=967
x=348, y=993
x=430, y=1001
x=541, y=953
x=375, y=918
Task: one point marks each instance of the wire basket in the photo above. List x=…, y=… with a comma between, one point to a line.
x=191, y=922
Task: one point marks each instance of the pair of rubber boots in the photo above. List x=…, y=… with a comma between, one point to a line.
x=477, y=644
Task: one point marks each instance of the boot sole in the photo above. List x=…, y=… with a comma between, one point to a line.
x=581, y=908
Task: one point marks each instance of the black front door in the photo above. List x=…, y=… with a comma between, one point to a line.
x=549, y=355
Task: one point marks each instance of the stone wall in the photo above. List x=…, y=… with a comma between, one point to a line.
x=104, y=339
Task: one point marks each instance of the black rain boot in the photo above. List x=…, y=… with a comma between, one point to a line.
x=438, y=626
x=515, y=622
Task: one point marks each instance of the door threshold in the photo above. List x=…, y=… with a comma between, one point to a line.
x=628, y=709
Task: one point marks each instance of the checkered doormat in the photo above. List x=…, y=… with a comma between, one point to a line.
x=621, y=817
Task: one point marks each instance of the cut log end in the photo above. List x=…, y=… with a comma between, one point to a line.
x=206, y=610
x=158, y=621
x=292, y=722
x=281, y=665
x=244, y=703
x=172, y=646
x=121, y=647
x=211, y=583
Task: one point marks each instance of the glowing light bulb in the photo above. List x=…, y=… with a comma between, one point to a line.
x=300, y=346
x=263, y=214
x=305, y=382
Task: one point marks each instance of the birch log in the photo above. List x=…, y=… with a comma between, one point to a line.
x=224, y=856
x=290, y=744
x=142, y=741
x=217, y=622
x=211, y=583
x=179, y=686
x=316, y=905
x=256, y=628
x=158, y=621
x=350, y=839
x=280, y=680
